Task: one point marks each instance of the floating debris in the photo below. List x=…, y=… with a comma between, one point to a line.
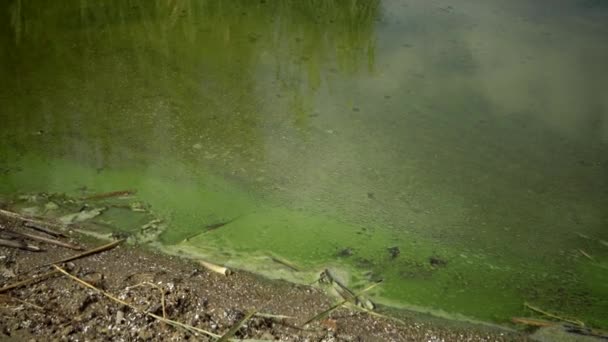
x=152, y=224
x=120, y=193
x=81, y=216
x=286, y=263
x=437, y=261
x=138, y=207
x=345, y=252
x=586, y=255
x=217, y=225
x=394, y=251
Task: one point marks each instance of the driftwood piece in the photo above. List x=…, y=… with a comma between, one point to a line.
x=46, y=240
x=215, y=268
x=89, y=252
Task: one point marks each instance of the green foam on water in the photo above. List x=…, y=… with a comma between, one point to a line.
x=475, y=285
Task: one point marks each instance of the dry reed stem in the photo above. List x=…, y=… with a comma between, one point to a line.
x=27, y=281
x=187, y=327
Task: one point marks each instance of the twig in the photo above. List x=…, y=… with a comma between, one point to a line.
x=46, y=240
x=585, y=254
x=339, y=304
x=187, y=327
x=548, y=314
x=236, y=327
x=20, y=244
x=29, y=304
x=89, y=252
x=120, y=193
x=267, y=315
x=27, y=282
x=39, y=227
x=532, y=322
x=286, y=263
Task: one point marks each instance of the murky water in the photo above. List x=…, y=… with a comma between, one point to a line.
x=471, y=136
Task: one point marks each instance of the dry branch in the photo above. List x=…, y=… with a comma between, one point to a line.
x=47, y=240
x=20, y=244
x=41, y=228
x=89, y=252
x=27, y=281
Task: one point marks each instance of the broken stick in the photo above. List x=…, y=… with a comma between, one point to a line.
x=39, y=227
x=27, y=281
x=215, y=268
x=19, y=244
x=46, y=240
x=89, y=252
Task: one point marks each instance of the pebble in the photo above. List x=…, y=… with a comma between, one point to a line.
x=120, y=317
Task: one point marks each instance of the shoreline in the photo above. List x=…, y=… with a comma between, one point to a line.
x=195, y=296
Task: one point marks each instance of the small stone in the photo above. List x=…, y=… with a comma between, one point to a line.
x=120, y=317
x=93, y=278
x=268, y=336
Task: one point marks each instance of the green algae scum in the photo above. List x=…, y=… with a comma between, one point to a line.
x=456, y=150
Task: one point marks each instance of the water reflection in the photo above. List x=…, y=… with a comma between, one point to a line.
x=190, y=72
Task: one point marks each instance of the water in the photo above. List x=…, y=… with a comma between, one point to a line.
x=473, y=136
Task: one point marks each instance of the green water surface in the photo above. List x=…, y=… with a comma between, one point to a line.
x=471, y=135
